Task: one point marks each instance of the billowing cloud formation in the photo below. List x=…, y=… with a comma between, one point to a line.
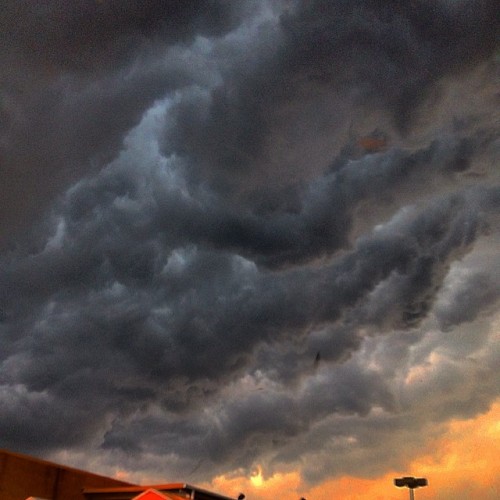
x=76, y=77
x=232, y=278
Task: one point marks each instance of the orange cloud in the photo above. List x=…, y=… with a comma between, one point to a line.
x=280, y=485
x=464, y=464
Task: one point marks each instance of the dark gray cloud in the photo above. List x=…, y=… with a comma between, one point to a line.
x=93, y=36
x=123, y=317
x=76, y=78
x=234, y=278
x=384, y=57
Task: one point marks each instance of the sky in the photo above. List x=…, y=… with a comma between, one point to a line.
x=253, y=244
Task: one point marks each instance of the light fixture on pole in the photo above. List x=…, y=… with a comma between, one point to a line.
x=411, y=483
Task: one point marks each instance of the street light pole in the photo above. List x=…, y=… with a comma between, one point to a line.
x=411, y=483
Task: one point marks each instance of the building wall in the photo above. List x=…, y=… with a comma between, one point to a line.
x=22, y=476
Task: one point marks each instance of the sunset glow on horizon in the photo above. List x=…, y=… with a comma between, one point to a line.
x=462, y=463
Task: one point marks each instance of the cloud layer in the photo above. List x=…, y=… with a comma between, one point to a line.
x=223, y=272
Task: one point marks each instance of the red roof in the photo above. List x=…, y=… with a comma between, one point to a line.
x=151, y=495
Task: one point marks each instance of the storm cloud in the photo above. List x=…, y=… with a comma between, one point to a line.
x=206, y=269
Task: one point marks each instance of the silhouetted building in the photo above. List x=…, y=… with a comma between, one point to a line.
x=23, y=477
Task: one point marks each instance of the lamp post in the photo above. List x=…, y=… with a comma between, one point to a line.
x=411, y=483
